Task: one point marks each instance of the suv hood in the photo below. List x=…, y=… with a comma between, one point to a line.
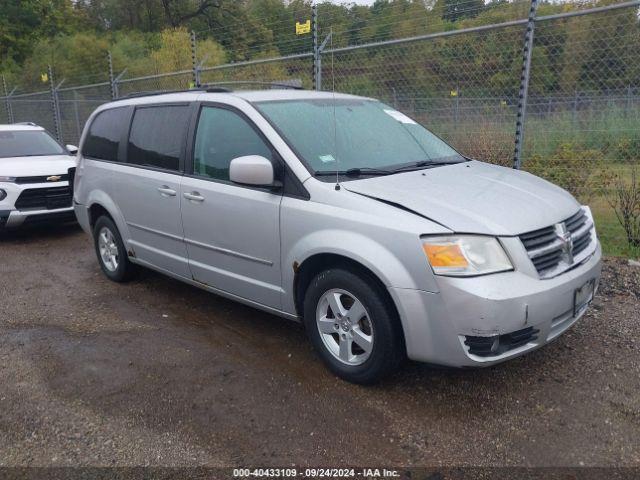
x=474, y=197
x=36, y=166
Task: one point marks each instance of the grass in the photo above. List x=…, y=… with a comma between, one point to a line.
x=610, y=232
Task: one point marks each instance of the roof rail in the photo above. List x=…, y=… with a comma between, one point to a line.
x=152, y=93
x=217, y=90
x=294, y=84
x=30, y=124
x=218, y=87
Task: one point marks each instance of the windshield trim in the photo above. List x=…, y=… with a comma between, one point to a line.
x=257, y=103
x=63, y=150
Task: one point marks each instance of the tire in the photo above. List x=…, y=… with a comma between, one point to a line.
x=362, y=343
x=106, y=236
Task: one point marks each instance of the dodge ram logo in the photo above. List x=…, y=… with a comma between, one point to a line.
x=566, y=240
x=54, y=178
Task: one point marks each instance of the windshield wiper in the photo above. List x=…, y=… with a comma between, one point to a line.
x=425, y=163
x=356, y=172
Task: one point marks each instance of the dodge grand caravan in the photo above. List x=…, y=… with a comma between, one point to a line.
x=340, y=212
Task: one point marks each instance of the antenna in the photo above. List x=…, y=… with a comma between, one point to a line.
x=335, y=119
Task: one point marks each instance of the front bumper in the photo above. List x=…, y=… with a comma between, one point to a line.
x=15, y=218
x=436, y=324
x=11, y=216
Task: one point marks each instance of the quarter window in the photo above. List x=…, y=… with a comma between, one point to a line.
x=223, y=135
x=103, y=139
x=157, y=136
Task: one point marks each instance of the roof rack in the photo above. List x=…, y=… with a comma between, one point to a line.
x=218, y=87
x=152, y=93
x=293, y=85
x=30, y=124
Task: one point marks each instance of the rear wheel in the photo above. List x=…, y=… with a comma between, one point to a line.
x=353, y=326
x=111, y=252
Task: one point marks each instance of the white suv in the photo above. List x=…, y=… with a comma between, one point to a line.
x=34, y=176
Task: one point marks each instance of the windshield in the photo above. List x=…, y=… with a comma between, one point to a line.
x=28, y=143
x=366, y=134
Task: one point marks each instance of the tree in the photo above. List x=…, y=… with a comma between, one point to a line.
x=24, y=22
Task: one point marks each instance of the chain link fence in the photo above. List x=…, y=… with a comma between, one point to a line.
x=451, y=82
x=580, y=111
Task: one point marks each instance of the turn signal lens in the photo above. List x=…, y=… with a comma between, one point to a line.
x=465, y=255
x=445, y=255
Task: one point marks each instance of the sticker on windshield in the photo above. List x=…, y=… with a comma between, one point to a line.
x=327, y=159
x=399, y=116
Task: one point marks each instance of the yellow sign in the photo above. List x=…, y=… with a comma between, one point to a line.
x=44, y=77
x=303, y=28
x=454, y=93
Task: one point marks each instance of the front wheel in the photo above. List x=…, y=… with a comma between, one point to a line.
x=111, y=252
x=353, y=325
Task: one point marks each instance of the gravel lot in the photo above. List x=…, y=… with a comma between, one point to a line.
x=159, y=373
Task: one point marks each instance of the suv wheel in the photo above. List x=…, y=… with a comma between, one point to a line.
x=110, y=250
x=353, y=326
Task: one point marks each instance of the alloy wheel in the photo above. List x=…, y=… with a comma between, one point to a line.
x=108, y=249
x=345, y=327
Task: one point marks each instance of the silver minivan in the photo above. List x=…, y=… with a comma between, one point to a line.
x=340, y=212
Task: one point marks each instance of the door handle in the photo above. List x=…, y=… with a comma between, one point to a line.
x=166, y=191
x=194, y=197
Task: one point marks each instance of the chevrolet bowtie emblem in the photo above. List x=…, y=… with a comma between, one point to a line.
x=54, y=178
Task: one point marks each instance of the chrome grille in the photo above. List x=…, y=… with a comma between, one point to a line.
x=552, y=254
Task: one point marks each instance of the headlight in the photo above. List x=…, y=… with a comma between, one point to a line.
x=8, y=179
x=3, y=194
x=465, y=255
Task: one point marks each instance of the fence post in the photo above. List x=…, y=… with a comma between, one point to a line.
x=317, y=75
x=194, y=61
x=524, y=85
x=55, y=107
x=112, y=83
x=77, y=114
x=7, y=99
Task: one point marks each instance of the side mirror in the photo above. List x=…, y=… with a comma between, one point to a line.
x=72, y=149
x=251, y=170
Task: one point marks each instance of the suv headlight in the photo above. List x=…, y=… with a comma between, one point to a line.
x=465, y=255
x=3, y=194
x=8, y=179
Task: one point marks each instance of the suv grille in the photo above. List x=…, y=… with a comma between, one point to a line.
x=44, y=198
x=549, y=251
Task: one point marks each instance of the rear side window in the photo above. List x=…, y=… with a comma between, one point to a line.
x=223, y=135
x=103, y=139
x=157, y=136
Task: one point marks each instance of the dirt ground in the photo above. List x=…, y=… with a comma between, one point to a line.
x=163, y=374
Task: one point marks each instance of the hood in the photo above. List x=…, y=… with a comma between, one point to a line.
x=36, y=166
x=474, y=197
